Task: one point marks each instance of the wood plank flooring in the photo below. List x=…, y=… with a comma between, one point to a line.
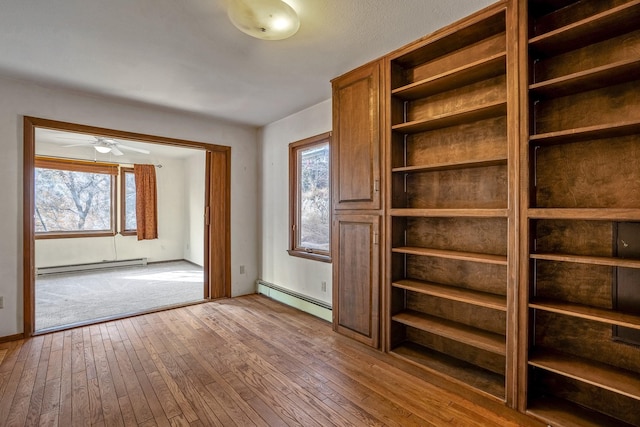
x=248, y=361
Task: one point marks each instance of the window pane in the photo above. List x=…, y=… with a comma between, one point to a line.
x=313, y=197
x=130, y=201
x=72, y=201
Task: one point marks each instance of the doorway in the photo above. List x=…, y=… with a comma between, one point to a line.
x=214, y=218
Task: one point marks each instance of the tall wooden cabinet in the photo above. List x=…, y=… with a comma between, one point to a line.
x=510, y=210
x=356, y=158
x=583, y=191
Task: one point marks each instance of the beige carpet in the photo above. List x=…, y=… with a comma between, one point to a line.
x=68, y=298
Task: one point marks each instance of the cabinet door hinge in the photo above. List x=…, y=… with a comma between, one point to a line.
x=376, y=185
x=375, y=238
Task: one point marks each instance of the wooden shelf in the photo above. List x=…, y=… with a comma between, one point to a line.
x=442, y=253
x=588, y=133
x=445, y=213
x=468, y=296
x=480, y=70
x=601, y=375
x=585, y=214
x=586, y=312
x=474, y=337
x=593, y=29
x=455, y=118
x=606, y=75
x=452, y=165
x=583, y=259
x=562, y=412
x=458, y=371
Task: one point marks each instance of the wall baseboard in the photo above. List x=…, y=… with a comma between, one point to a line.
x=91, y=266
x=294, y=299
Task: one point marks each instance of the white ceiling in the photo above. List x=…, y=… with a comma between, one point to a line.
x=186, y=55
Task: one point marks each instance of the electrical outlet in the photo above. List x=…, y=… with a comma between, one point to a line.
x=242, y=269
x=1, y=302
x=324, y=286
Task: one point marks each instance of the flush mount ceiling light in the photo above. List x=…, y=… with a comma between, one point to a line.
x=264, y=19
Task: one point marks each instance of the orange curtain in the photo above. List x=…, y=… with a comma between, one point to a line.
x=146, y=201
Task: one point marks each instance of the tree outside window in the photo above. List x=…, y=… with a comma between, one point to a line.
x=128, y=202
x=73, y=198
x=310, y=198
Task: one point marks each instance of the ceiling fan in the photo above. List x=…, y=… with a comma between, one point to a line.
x=105, y=145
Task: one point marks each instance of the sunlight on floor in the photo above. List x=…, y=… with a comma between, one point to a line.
x=171, y=276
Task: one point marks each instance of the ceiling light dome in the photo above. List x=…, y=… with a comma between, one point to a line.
x=264, y=19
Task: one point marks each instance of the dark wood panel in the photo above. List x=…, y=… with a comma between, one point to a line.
x=355, y=145
x=568, y=13
x=617, y=49
x=459, y=58
x=485, y=235
x=482, y=140
x=458, y=351
x=471, y=315
x=579, y=283
x=597, y=107
x=584, y=338
x=574, y=237
x=464, y=188
x=356, y=291
x=475, y=95
x=470, y=275
x=592, y=174
x=619, y=407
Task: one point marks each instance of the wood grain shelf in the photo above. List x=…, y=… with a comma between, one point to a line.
x=444, y=213
x=601, y=26
x=595, y=78
x=601, y=375
x=456, y=370
x=454, y=293
x=585, y=214
x=583, y=259
x=485, y=340
x=476, y=71
x=474, y=114
x=586, y=312
x=587, y=133
x=463, y=256
x=501, y=160
x=568, y=414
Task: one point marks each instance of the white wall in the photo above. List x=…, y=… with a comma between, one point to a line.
x=276, y=265
x=194, y=170
x=20, y=98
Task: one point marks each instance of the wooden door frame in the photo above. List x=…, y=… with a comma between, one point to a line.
x=217, y=215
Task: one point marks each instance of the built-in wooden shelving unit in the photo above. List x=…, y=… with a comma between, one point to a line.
x=583, y=217
x=449, y=215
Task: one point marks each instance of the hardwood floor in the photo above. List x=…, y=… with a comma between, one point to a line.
x=242, y=361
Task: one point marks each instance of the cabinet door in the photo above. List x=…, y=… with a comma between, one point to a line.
x=356, y=277
x=356, y=139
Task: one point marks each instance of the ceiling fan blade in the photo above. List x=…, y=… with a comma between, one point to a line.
x=139, y=150
x=115, y=151
x=82, y=144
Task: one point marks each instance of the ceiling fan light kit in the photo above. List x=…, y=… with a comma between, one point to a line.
x=264, y=19
x=102, y=149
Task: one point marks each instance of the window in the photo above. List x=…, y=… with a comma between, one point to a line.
x=310, y=198
x=128, y=223
x=74, y=198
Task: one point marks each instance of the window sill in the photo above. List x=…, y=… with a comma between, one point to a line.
x=310, y=255
x=72, y=234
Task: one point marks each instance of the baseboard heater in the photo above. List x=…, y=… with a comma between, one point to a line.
x=302, y=302
x=91, y=266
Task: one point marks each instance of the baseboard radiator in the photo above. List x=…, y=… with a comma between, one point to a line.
x=91, y=266
x=302, y=302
